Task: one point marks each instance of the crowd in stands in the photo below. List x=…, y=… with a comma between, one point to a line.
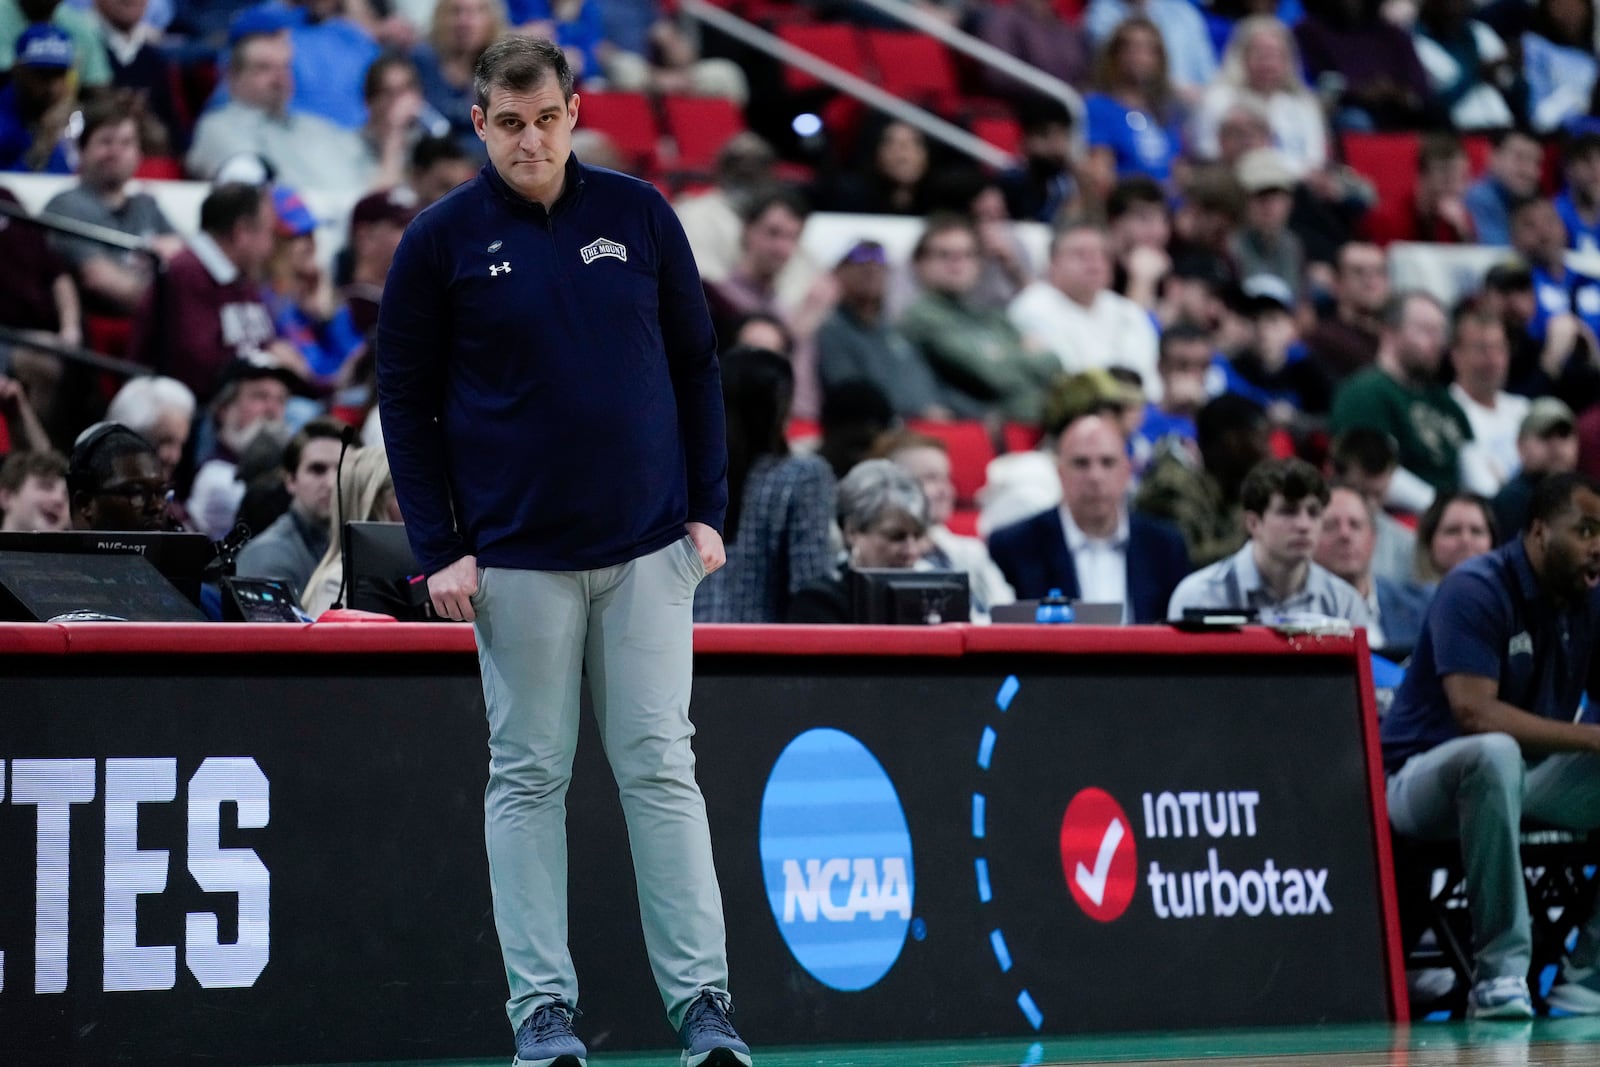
x=1205, y=390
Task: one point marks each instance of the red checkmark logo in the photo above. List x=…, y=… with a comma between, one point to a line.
x=1098, y=855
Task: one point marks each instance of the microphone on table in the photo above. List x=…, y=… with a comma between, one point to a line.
x=347, y=437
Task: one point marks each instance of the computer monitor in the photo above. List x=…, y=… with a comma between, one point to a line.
x=381, y=573
x=53, y=586
x=181, y=558
x=898, y=597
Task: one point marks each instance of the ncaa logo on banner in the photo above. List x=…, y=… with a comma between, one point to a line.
x=836, y=859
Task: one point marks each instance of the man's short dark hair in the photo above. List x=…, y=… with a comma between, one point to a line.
x=1223, y=415
x=1338, y=257
x=1293, y=479
x=520, y=64
x=1040, y=114
x=1583, y=144
x=121, y=106
x=941, y=222
x=1129, y=193
x=95, y=455
x=430, y=151
x=1498, y=138
x=1553, y=494
x=372, y=81
x=1438, y=147
x=321, y=428
x=1181, y=332
x=1363, y=449
x=228, y=205
x=20, y=466
x=777, y=196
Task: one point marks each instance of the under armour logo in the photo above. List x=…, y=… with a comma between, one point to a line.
x=504, y=268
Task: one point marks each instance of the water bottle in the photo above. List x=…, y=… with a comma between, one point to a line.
x=1053, y=609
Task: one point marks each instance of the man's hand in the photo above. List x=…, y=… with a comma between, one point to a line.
x=708, y=543
x=452, y=589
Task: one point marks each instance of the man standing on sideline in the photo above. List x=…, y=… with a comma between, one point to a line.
x=1485, y=731
x=552, y=410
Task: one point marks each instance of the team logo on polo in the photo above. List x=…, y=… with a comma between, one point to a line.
x=494, y=247
x=836, y=859
x=600, y=248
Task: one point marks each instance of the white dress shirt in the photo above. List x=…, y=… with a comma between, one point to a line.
x=1101, y=563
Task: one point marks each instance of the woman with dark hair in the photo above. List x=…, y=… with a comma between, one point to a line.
x=1456, y=527
x=1134, y=120
x=892, y=179
x=779, y=505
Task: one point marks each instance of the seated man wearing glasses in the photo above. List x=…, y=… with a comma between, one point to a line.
x=117, y=482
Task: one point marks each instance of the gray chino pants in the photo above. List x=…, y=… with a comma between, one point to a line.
x=1478, y=788
x=630, y=628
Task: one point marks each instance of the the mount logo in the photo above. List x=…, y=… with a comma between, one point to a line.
x=836, y=859
x=600, y=248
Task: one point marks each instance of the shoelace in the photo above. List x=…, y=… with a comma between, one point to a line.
x=709, y=1014
x=549, y=1022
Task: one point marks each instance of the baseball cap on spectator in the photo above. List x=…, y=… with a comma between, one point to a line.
x=1547, y=417
x=864, y=252
x=245, y=167
x=397, y=205
x=1264, y=169
x=1264, y=292
x=259, y=21
x=44, y=47
x=254, y=367
x=294, y=218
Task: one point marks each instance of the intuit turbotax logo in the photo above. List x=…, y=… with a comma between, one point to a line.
x=836, y=859
x=1098, y=858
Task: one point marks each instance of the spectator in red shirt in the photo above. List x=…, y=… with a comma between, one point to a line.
x=210, y=311
x=1437, y=211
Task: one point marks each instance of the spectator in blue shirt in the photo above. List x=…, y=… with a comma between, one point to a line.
x=1485, y=731
x=1192, y=60
x=461, y=30
x=1541, y=240
x=35, y=106
x=1134, y=123
x=1513, y=176
x=1579, y=203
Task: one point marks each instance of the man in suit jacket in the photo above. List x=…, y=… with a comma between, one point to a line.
x=1090, y=547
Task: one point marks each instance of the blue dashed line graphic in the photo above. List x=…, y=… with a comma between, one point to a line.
x=1002, y=699
x=1008, y=692
x=1001, y=954
x=1030, y=1009
x=986, y=747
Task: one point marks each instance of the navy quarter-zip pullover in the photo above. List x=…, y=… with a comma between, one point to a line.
x=548, y=381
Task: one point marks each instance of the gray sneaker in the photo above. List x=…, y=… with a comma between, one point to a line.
x=1577, y=991
x=1505, y=997
x=708, y=1038
x=545, y=1039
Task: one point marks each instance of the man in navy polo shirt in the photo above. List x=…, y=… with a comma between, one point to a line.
x=1485, y=731
x=552, y=410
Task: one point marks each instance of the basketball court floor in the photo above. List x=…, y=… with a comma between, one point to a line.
x=1567, y=1042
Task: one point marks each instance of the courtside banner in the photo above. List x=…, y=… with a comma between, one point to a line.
x=259, y=857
